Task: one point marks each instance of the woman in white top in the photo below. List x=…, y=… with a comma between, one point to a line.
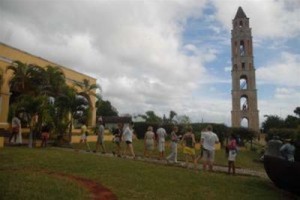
x=127, y=136
x=149, y=141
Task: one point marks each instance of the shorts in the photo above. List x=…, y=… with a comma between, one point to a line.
x=149, y=145
x=100, y=139
x=232, y=155
x=128, y=142
x=116, y=140
x=161, y=146
x=45, y=136
x=208, y=155
x=83, y=137
x=189, y=151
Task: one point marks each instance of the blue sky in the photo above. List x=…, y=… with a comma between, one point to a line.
x=166, y=54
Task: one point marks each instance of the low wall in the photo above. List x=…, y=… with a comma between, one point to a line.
x=217, y=146
x=91, y=138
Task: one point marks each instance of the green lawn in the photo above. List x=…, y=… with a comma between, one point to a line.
x=21, y=177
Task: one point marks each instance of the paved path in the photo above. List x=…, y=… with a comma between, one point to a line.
x=222, y=169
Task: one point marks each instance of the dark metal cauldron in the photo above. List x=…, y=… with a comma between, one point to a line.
x=283, y=173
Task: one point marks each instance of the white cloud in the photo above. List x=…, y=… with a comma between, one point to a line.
x=269, y=19
x=282, y=71
x=135, y=48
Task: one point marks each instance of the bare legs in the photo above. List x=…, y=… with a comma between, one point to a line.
x=102, y=147
x=130, y=149
x=231, y=166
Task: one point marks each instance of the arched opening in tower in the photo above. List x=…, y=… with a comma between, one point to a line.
x=244, y=103
x=242, y=48
x=243, y=82
x=244, y=122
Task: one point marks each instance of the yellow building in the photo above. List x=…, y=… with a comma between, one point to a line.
x=9, y=54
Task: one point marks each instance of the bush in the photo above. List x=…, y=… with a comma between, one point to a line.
x=221, y=130
x=283, y=133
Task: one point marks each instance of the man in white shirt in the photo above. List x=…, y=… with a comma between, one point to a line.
x=208, y=141
x=161, y=134
x=127, y=137
x=100, y=136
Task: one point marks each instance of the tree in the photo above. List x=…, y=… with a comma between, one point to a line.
x=151, y=117
x=20, y=79
x=272, y=121
x=172, y=115
x=87, y=89
x=183, y=119
x=291, y=122
x=297, y=111
x=104, y=108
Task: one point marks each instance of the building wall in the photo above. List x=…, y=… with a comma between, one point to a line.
x=9, y=54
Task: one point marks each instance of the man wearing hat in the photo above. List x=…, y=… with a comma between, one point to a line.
x=100, y=139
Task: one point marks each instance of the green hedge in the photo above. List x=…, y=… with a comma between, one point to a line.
x=221, y=130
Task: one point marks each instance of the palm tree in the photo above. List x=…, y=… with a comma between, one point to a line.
x=87, y=90
x=20, y=81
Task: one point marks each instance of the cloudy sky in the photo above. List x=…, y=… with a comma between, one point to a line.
x=164, y=55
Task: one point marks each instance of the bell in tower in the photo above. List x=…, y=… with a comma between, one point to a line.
x=244, y=93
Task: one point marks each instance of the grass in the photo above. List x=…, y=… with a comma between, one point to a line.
x=21, y=178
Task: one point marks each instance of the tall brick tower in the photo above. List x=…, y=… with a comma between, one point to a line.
x=244, y=93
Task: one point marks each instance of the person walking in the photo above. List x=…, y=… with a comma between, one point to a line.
x=174, y=140
x=161, y=135
x=83, y=137
x=100, y=137
x=149, y=139
x=45, y=135
x=15, y=129
x=232, y=153
x=188, y=141
x=208, y=141
x=127, y=136
x=118, y=132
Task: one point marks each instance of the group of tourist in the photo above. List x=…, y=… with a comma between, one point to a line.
x=151, y=140
x=157, y=140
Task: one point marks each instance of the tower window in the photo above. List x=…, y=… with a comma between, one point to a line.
x=244, y=103
x=242, y=48
x=243, y=83
x=243, y=66
x=241, y=24
x=245, y=122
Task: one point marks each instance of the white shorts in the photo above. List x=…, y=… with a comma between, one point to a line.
x=83, y=137
x=208, y=155
x=161, y=146
x=232, y=155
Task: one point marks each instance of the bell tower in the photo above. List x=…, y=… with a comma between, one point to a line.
x=244, y=94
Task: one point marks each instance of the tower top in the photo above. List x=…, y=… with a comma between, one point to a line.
x=240, y=13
